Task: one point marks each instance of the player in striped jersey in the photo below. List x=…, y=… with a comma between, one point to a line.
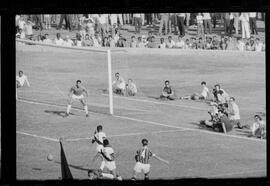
x=142, y=160
x=98, y=137
x=77, y=92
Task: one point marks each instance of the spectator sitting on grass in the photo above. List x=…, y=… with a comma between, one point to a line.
x=219, y=122
x=180, y=43
x=58, y=40
x=121, y=42
x=97, y=41
x=208, y=44
x=162, y=43
x=78, y=40
x=20, y=34
x=215, y=45
x=258, y=45
x=131, y=88
x=140, y=44
x=188, y=44
x=252, y=45
x=152, y=43
x=203, y=96
x=111, y=41
x=47, y=40
x=193, y=43
x=170, y=43
x=258, y=128
x=167, y=92
x=200, y=44
x=133, y=42
x=105, y=42
x=240, y=44
x=220, y=95
x=87, y=42
x=223, y=44
x=144, y=40
x=116, y=35
x=68, y=42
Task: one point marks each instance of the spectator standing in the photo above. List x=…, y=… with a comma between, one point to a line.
x=21, y=23
x=103, y=20
x=252, y=22
x=173, y=23
x=170, y=43
x=164, y=23
x=214, y=18
x=231, y=24
x=200, y=31
x=244, y=17
x=29, y=29
x=149, y=20
x=137, y=22
x=187, y=19
x=236, y=22
x=65, y=17
x=37, y=21
x=207, y=23
x=162, y=43
x=120, y=18
x=227, y=23
x=180, y=23
x=140, y=44
x=47, y=19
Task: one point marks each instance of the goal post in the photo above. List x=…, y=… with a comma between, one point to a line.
x=110, y=81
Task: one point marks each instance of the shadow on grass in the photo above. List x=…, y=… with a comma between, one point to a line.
x=73, y=166
x=59, y=113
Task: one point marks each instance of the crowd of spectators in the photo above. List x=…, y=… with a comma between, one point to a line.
x=105, y=30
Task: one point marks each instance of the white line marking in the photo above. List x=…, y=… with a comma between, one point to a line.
x=236, y=173
x=37, y=136
x=155, y=102
x=156, y=123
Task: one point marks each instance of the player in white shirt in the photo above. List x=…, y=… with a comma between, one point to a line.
x=119, y=84
x=21, y=79
x=203, y=96
x=58, y=40
x=234, y=114
x=98, y=137
x=131, y=88
x=258, y=45
x=77, y=92
x=171, y=43
x=108, y=155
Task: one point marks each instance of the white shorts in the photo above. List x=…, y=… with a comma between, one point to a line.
x=110, y=165
x=77, y=97
x=139, y=167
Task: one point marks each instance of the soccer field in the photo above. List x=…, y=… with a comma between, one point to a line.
x=170, y=126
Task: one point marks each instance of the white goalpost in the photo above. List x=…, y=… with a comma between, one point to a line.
x=110, y=81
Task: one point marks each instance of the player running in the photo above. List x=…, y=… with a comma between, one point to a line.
x=21, y=79
x=107, y=153
x=142, y=161
x=77, y=92
x=98, y=137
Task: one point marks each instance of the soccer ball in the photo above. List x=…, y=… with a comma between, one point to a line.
x=50, y=157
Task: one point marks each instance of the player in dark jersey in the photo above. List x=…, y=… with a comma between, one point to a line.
x=77, y=92
x=142, y=160
x=167, y=92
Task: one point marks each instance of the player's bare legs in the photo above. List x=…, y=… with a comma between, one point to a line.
x=84, y=106
x=70, y=101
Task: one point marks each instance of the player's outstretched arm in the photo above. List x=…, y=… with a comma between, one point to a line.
x=160, y=159
x=27, y=82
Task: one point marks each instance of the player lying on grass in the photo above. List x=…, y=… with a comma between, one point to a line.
x=219, y=122
x=97, y=174
x=167, y=92
x=108, y=155
x=77, y=92
x=203, y=96
x=98, y=138
x=258, y=128
x=119, y=84
x=21, y=79
x=142, y=161
x=131, y=88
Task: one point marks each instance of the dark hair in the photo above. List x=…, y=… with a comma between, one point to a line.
x=20, y=71
x=170, y=37
x=232, y=98
x=78, y=81
x=217, y=85
x=99, y=128
x=203, y=83
x=90, y=171
x=162, y=39
x=144, y=142
x=257, y=116
x=117, y=73
x=132, y=37
x=167, y=81
x=105, y=142
x=58, y=34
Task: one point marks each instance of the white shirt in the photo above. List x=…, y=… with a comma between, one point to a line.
x=258, y=47
x=96, y=43
x=206, y=16
x=137, y=15
x=199, y=19
x=205, y=92
x=21, y=24
x=252, y=14
x=23, y=79
x=59, y=41
x=257, y=125
x=181, y=14
x=170, y=44
x=235, y=111
x=244, y=17
x=141, y=45
x=108, y=151
x=100, y=136
x=163, y=45
x=113, y=19
x=28, y=29
x=47, y=41
x=241, y=46
x=103, y=19
x=180, y=44
x=69, y=43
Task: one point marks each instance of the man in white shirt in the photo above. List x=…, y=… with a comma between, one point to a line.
x=29, y=29
x=68, y=42
x=21, y=79
x=244, y=18
x=234, y=114
x=119, y=84
x=162, y=43
x=58, y=40
x=103, y=20
x=252, y=23
x=207, y=22
x=47, y=40
x=258, y=45
x=180, y=43
x=21, y=22
x=171, y=43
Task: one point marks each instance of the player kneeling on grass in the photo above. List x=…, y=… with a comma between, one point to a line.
x=203, y=96
x=107, y=153
x=219, y=122
x=167, y=92
x=94, y=174
x=119, y=84
x=98, y=138
x=77, y=92
x=258, y=128
x=142, y=161
x=21, y=79
x=131, y=88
